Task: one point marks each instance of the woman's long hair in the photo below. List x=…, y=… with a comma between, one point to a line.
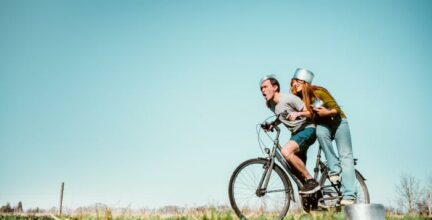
x=307, y=94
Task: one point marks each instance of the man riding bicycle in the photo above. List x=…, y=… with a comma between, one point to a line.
x=293, y=114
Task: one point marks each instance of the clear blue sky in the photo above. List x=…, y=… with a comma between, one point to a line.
x=152, y=103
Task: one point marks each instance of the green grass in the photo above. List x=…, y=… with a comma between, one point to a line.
x=208, y=214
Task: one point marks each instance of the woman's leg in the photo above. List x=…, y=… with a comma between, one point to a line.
x=324, y=138
x=344, y=145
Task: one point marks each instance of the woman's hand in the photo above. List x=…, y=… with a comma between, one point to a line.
x=325, y=112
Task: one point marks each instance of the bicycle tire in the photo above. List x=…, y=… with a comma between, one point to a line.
x=256, y=168
x=363, y=192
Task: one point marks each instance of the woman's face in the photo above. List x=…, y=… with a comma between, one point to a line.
x=298, y=85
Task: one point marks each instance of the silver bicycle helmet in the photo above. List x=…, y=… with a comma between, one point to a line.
x=271, y=76
x=303, y=74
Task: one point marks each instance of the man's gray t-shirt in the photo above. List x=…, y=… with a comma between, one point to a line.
x=290, y=103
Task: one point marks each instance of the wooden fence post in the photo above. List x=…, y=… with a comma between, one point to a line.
x=61, y=197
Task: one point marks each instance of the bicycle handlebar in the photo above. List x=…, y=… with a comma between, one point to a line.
x=272, y=125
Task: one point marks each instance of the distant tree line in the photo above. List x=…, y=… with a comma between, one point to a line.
x=9, y=209
x=413, y=197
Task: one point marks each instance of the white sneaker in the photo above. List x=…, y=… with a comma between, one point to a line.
x=347, y=202
x=335, y=179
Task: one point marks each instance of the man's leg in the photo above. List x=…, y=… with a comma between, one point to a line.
x=289, y=152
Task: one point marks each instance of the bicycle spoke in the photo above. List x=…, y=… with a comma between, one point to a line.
x=247, y=185
x=249, y=177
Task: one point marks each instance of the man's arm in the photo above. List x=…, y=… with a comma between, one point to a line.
x=293, y=115
x=300, y=108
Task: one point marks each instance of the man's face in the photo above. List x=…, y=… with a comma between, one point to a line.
x=268, y=90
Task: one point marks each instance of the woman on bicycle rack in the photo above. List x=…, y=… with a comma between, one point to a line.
x=331, y=124
x=293, y=114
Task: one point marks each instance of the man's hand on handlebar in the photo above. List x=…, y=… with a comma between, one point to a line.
x=268, y=126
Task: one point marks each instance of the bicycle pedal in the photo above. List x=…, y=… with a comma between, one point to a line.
x=307, y=195
x=333, y=202
x=325, y=206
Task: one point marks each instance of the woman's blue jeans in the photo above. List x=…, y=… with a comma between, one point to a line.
x=344, y=164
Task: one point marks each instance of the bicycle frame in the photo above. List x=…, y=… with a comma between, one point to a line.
x=276, y=153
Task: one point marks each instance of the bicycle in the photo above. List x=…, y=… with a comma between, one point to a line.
x=262, y=187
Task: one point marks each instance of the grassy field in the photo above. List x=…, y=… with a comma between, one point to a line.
x=224, y=212
x=210, y=214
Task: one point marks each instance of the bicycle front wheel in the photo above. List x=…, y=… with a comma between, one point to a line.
x=246, y=199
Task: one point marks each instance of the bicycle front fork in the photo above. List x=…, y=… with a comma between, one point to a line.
x=265, y=178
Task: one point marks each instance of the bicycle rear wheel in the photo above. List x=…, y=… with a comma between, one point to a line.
x=247, y=203
x=329, y=190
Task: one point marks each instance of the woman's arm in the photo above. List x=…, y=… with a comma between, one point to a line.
x=332, y=108
x=325, y=112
